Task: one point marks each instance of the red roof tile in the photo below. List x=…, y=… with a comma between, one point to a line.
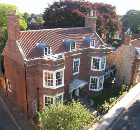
x=54, y=38
x=135, y=43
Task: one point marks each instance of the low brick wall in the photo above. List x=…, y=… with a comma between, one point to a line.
x=2, y=81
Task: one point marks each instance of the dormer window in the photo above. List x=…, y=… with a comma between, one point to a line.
x=90, y=41
x=44, y=48
x=47, y=50
x=73, y=46
x=70, y=44
x=138, y=50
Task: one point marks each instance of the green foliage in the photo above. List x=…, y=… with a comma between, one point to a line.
x=108, y=81
x=3, y=39
x=4, y=8
x=114, y=43
x=125, y=17
x=26, y=15
x=105, y=95
x=112, y=99
x=23, y=24
x=105, y=105
x=134, y=21
x=64, y=117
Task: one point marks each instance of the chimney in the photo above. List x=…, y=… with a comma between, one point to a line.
x=13, y=25
x=126, y=39
x=90, y=20
x=32, y=15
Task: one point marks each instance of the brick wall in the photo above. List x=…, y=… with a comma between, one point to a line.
x=91, y=21
x=13, y=26
x=14, y=64
x=84, y=69
x=123, y=58
x=34, y=74
x=15, y=73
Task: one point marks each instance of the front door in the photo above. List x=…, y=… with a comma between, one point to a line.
x=77, y=92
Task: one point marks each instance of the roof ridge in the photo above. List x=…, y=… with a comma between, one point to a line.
x=53, y=29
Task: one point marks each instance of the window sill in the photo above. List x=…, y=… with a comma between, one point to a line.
x=75, y=73
x=96, y=89
x=9, y=90
x=97, y=70
x=52, y=87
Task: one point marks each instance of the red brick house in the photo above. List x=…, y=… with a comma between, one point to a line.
x=41, y=65
x=127, y=60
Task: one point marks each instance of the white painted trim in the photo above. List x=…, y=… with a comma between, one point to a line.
x=46, y=95
x=98, y=77
x=76, y=59
x=54, y=78
x=8, y=85
x=97, y=57
x=47, y=51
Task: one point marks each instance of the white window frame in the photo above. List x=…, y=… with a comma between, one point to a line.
x=54, y=78
x=138, y=77
x=98, y=82
x=75, y=60
x=53, y=97
x=139, y=67
x=71, y=46
x=47, y=51
x=92, y=42
x=107, y=73
x=100, y=63
x=9, y=85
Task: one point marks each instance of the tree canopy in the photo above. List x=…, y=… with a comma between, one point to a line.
x=4, y=8
x=126, y=17
x=64, y=117
x=72, y=14
x=26, y=15
x=134, y=22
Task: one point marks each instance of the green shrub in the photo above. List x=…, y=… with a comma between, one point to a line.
x=65, y=117
x=114, y=43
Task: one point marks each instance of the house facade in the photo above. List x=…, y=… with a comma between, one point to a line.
x=127, y=60
x=45, y=66
x=124, y=31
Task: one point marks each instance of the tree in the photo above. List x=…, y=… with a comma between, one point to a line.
x=125, y=17
x=26, y=15
x=64, y=117
x=107, y=19
x=4, y=8
x=134, y=21
x=72, y=14
x=64, y=14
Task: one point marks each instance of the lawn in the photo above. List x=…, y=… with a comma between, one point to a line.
x=105, y=95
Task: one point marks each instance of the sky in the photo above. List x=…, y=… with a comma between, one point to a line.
x=37, y=6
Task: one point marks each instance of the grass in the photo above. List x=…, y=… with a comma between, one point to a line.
x=105, y=95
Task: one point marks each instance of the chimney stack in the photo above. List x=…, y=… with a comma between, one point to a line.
x=13, y=25
x=126, y=39
x=32, y=15
x=90, y=20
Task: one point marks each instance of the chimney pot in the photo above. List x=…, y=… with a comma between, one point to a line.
x=13, y=25
x=90, y=13
x=12, y=12
x=90, y=20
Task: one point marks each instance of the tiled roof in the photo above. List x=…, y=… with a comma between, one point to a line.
x=54, y=38
x=135, y=44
